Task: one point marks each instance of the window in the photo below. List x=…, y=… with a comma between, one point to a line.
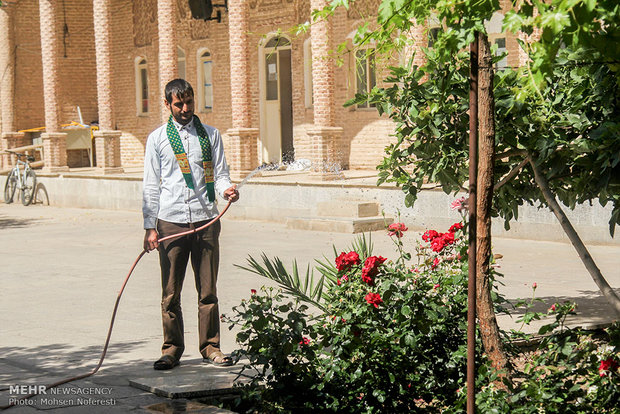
x=309, y=98
x=181, y=62
x=272, y=66
x=205, y=78
x=366, y=79
x=277, y=42
x=501, y=50
x=142, y=86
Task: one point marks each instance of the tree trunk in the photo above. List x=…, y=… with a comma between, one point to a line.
x=584, y=255
x=486, y=153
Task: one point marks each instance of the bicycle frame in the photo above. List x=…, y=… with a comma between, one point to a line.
x=21, y=174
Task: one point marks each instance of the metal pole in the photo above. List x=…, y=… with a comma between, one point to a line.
x=473, y=181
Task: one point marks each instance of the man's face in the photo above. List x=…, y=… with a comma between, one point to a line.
x=182, y=109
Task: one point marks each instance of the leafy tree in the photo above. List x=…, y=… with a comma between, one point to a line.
x=557, y=133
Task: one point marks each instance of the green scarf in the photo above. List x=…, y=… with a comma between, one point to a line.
x=179, y=152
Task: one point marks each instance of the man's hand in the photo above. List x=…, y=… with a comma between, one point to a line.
x=150, y=240
x=231, y=194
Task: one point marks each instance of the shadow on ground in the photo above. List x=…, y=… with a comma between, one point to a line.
x=8, y=222
x=63, y=360
x=592, y=308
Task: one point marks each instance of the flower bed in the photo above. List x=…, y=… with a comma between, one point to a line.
x=391, y=338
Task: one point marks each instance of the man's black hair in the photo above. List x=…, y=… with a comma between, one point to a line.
x=179, y=88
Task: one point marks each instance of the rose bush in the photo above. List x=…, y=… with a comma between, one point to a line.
x=389, y=336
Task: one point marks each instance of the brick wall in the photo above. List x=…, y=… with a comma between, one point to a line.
x=29, y=106
x=134, y=34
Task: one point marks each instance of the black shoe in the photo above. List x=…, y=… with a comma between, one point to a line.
x=165, y=362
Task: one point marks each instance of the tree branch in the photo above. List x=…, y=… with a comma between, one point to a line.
x=511, y=174
x=584, y=255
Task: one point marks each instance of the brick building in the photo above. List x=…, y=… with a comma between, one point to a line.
x=274, y=96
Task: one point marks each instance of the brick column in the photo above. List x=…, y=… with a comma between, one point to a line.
x=54, y=142
x=107, y=141
x=168, y=60
x=324, y=136
x=326, y=159
x=7, y=70
x=108, y=150
x=7, y=78
x=243, y=156
x=11, y=140
x=54, y=151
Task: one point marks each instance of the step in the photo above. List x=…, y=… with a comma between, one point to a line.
x=339, y=224
x=343, y=208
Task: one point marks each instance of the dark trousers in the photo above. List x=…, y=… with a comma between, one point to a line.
x=203, y=248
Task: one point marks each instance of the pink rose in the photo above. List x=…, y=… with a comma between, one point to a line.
x=435, y=263
x=397, y=229
x=459, y=204
x=304, y=341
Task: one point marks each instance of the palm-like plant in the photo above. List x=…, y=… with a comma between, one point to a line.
x=306, y=288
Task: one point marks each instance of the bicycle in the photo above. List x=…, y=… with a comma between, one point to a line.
x=25, y=180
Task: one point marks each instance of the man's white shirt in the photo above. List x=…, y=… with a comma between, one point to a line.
x=165, y=193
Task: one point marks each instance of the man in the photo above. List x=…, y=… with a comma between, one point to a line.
x=184, y=164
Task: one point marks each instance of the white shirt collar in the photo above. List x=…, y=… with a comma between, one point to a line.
x=180, y=127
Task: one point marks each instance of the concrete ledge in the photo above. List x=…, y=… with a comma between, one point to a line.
x=273, y=198
x=338, y=224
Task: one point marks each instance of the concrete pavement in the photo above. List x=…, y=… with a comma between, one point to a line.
x=62, y=269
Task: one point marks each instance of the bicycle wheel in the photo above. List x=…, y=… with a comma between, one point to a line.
x=28, y=187
x=9, y=187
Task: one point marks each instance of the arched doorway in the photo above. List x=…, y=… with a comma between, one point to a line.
x=276, y=130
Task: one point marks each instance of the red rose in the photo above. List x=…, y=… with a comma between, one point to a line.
x=253, y=291
x=346, y=260
x=438, y=244
x=455, y=227
x=435, y=263
x=371, y=268
x=429, y=235
x=441, y=241
x=607, y=365
x=397, y=229
x=304, y=341
x=373, y=299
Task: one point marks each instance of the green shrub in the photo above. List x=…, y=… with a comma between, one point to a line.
x=389, y=336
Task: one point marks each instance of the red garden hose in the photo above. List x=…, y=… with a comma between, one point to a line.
x=118, y=299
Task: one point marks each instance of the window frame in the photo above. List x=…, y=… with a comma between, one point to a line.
x=370, y=68
x=141, y=68
x=181, y=59
x=201, y=60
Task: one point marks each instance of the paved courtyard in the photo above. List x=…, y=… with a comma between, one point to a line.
x=62, y=269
